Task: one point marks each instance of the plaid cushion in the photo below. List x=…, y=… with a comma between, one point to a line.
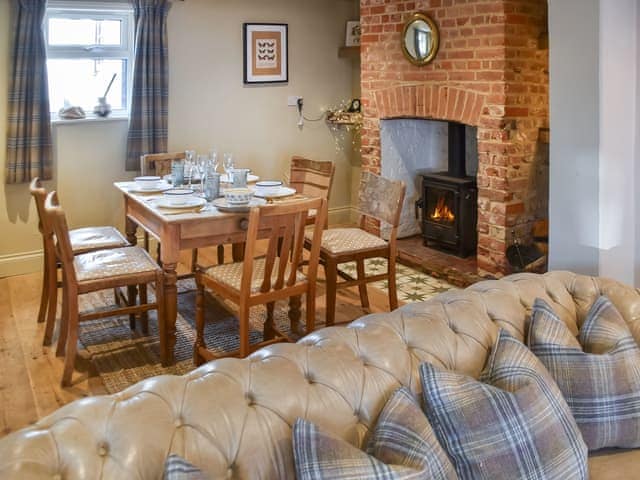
x=402, y=446
x=602, y=383
x=515, y=425
x=177, y=468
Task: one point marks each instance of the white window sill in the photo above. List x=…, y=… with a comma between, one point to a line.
x=90, y=118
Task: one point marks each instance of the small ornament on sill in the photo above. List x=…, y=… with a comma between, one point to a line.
x=103, y=109
x=69, y=112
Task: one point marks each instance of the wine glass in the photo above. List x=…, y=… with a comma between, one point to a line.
x=189, y=163
x=201, y=164
x=228, y=164
x=213, y=159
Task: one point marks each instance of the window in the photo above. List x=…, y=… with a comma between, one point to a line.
x=86, y=45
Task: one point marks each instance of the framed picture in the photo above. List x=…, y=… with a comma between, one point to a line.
x=352, y=38
x=266, y=58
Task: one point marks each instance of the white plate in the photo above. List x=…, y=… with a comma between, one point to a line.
x=192, y=202
x=250, y=178
x=281, y=192
x=222, y=205
x=135, y=188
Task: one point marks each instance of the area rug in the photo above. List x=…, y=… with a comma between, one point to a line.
x=123, y=357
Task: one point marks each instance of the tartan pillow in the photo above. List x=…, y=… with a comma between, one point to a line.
x=177, y=468
x=402, y=446
x=515, y=425
x=602, y=383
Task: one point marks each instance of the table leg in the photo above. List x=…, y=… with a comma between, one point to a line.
x=170, y=312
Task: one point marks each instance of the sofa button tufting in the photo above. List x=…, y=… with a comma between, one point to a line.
x=103, y=449
x=178, y=422
x=57, y=476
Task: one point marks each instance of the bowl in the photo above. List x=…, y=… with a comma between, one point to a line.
x=148, y=182
x=268, y=187
x=238, y=196
x=178, y=196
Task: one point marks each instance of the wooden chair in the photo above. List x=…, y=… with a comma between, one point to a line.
x=82, y=240
x=99, y=270
x=312, y=178
x=263, y=280
x=381, y=199
x=160, y=164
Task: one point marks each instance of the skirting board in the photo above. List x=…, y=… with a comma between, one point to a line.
x=20, y=263
x=29, y=262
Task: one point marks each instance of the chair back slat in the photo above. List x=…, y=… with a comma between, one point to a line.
x=159, y=163
x=39, y=194
x=284, y=226
x=312, y=178
x=57, y=219
x=381, y=198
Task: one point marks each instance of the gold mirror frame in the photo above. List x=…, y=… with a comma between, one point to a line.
x=435, y=36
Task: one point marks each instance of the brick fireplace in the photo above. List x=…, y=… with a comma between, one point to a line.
x=491, y=72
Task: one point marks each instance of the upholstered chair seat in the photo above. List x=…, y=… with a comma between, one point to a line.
x=112, y=263
x=341, y=240
x=230, y=274
x=95, y=238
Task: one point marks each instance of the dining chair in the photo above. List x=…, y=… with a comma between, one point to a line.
x=129, y=267
x=312, y=178
x=381, y=199
x=267, y=278
x=160, y=164
x=82, y=240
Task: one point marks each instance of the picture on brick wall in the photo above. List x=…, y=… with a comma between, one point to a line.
x=265, y=53
x=352, y=38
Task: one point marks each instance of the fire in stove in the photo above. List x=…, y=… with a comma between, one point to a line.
x=442, y=212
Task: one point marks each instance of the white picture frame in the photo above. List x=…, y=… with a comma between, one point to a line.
x=266, y=58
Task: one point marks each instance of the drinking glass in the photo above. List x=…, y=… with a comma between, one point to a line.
x=201, y=164
x=189, y=160
x=213, y=159
x=177, y=172
x=228, y=164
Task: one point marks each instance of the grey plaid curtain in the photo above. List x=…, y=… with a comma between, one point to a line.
x=29, y=152
x=150, y=96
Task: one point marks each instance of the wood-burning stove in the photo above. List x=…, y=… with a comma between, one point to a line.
x=449, y=201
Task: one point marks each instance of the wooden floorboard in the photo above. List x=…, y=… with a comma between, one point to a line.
x=30, y=373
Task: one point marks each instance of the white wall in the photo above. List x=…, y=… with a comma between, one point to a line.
x=594, y=212
x=573, y=104
x=209, y=105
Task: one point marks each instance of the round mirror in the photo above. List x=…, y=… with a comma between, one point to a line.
x=420, y=39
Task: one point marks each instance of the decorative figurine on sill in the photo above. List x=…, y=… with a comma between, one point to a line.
x=103, y=109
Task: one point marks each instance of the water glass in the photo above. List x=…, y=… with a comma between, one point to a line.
x=211, y=185
x=239, y=177
x=177, y=173
x=201, y=164
x=213, y=158
x=228, y=164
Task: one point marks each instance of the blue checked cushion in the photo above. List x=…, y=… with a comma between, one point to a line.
x=598, y=373
x=177, y=468
x=512, y=424
x=402, y=446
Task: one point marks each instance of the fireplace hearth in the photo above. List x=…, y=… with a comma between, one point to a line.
x=449, y=202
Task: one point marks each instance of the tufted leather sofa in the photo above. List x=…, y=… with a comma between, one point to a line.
x=233, y=417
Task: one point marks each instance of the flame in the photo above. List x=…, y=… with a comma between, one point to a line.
x=442, y=212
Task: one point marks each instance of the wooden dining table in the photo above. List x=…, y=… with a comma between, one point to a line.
x=178, y=230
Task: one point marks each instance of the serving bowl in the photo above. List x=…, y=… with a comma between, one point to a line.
x=148, y=182
x=238, y=196
x=268, y=187
x=179, y=196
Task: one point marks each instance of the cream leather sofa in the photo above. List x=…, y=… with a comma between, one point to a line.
x=233, y=417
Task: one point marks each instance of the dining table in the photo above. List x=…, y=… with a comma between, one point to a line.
x=182, y=229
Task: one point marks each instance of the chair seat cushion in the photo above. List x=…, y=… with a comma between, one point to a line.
x=341, y=240
x=112, y=263
x=93, y=238
x=230, y=274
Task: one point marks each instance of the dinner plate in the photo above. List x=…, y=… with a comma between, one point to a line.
x=222, y=205
x=135, y=188
x=192, y=202
x=281, y=192
x=224, y=178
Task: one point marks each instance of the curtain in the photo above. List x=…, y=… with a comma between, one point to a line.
x=148, y=118
x=29, y=152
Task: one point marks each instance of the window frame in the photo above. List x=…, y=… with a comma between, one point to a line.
x=95, y=10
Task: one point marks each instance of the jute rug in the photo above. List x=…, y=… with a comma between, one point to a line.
x=123, y=357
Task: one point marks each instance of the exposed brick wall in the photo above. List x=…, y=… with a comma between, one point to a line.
x=490, y=72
